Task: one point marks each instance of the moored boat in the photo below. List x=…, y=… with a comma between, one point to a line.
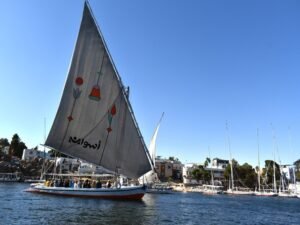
x=245, y=191
x=10, y=177
x=212, y=189
x=287, y=194
x=160, y=188
x=266, y=193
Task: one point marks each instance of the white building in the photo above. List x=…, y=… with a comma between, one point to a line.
x=287, y=171
x=219, y=163
x=31, y=154
x=5, y=150
x=218, y=167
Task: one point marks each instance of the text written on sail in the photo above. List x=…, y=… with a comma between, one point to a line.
x=84, y=143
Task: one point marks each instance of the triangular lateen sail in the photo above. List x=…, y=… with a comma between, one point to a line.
x=151, y=176
x=94, y=121
x=152, y=145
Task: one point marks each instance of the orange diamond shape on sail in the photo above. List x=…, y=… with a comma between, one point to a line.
x=95, y=93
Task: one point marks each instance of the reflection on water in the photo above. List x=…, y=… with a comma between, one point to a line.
x=24, y=208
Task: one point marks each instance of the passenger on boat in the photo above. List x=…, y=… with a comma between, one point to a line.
x=76, y=184
x=86, y=184
x=108, y=185
x=98, y=184
x=47, y=183
x=93, y=185
x=66, y=183
x=71, y=183
x=80, y=184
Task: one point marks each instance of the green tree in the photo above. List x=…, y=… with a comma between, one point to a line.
x=206, y=176
x=15, y=141
x=197, y=174
x=206, y=162
x=20, y=149
x=246, y=175
x=200, y=173
x=297, y=164
x=298, y=175
x=268, y=172
x=16, y=146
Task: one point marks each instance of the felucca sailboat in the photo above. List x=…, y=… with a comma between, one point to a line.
x=95, y=121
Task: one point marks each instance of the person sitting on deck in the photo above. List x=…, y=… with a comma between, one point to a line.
x=88, y=184
x=80, y=184
x=56, y=183
x=93, y=184
x=66, y=183
x=98, y=184
x=108, y=185
x=71, y=183
x=75, y=184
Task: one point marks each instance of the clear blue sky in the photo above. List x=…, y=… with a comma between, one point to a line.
x=201, y=62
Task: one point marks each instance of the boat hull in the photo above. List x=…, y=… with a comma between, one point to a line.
x=239, y=192
x=129, y=193
x=212, y=192
x=159, y=191
x=266, y=194
x=287, y=195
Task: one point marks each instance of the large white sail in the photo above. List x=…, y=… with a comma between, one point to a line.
x=94, y=121
x=152, y=145
x=151, y=176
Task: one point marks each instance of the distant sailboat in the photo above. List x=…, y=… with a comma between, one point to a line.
x=235, y=190
x=151, y=176
x=261, y=192
x=154, y=185
x=95, y=121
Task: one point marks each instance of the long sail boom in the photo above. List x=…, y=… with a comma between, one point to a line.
x=95, y=121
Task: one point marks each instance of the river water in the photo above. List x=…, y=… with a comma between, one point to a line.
x=19, y=207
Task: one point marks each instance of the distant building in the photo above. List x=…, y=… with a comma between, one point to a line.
x=5, y=150
x=218, y=167
x=297, y=165
x=219, y=163
x=88, y=168
x=287, y=172
x=187, y=174
x=31, y=154
x=67, y=165
x=168, y=168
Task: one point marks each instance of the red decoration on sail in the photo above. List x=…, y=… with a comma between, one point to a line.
x=113, y=110
x=109, y=129
x=70, y=118
x=95, y=93
x=79, y=81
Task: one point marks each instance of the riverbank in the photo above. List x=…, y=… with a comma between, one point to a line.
x=27, y=170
